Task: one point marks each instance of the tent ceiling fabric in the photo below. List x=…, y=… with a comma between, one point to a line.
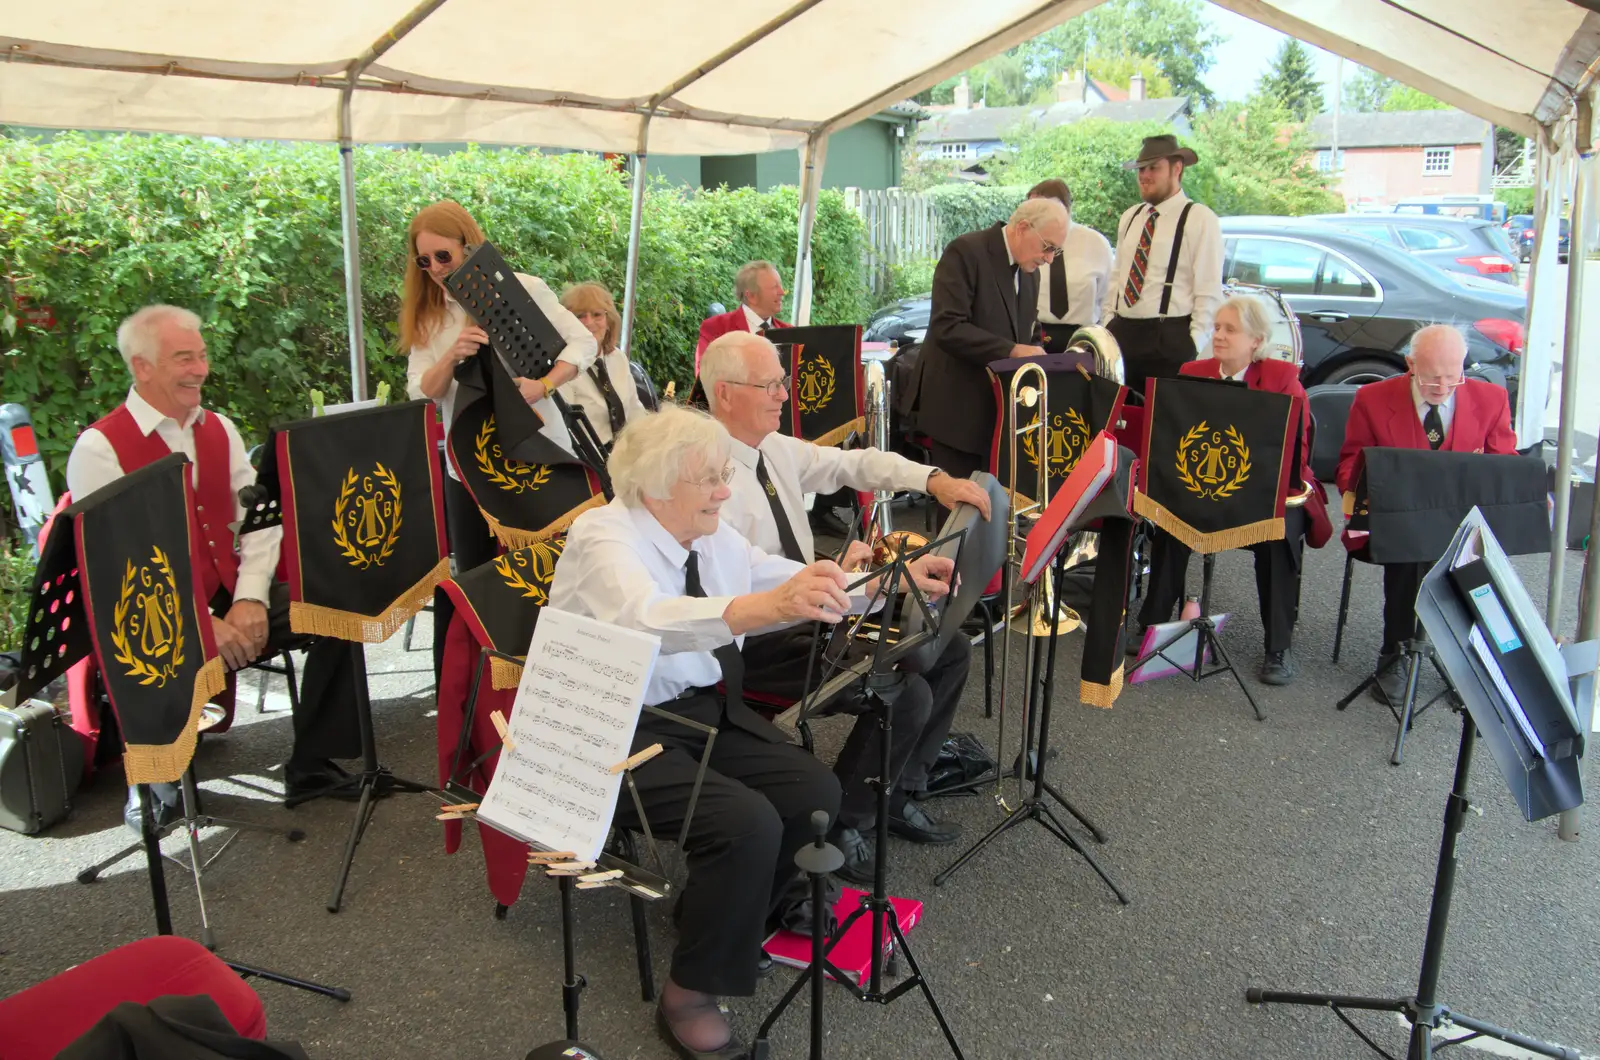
x=557, y=74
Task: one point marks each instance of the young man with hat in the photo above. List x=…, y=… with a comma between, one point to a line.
x=1166, y=282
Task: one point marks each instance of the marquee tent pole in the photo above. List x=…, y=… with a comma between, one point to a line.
x=630, y=291
x=812, y=158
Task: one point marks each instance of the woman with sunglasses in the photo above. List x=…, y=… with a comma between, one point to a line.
x=439, y=335
x=605, y=389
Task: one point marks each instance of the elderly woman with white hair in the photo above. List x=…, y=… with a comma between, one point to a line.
x=1239, y=333
x=659, y=559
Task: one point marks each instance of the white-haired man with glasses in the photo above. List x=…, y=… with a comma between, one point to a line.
x=1432, y=406
x=660, y=559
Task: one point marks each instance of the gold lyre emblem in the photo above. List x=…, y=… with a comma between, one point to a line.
x=530, y=570
x=1065, y=440
x=1213, y=464
x=814, y=383
x=147, y=622
x=513, y=476
x=366, y=516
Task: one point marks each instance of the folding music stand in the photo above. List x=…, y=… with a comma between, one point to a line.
x=1512, y=685
x=58, y=636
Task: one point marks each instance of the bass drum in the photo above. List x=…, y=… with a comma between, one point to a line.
x=1284, y=342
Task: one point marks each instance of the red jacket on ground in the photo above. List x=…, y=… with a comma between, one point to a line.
x=1384, y=414
x=721, y=324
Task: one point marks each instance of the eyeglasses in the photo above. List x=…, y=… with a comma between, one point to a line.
x=1429, y=385
x=1048, y=247
x=708, y=483
x=776, y=389
x=443, y=257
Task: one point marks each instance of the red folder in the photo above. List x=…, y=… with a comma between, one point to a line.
x=853, y=953
x=1066, y=509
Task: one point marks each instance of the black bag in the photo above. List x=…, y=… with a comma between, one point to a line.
x=794, y=909
x=41, y=763
x=173, y=1027
x=962, y=759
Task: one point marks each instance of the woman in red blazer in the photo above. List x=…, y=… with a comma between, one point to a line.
x=1239, y=331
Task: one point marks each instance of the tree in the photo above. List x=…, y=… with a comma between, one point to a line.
x=1173, y=33
x=1367, y=90
x=1508, y=148
x=1404, y=97
x=1088, y=155
x=1255, y=159
x=1291, y=81
x=1119, y=70
x=998, y=82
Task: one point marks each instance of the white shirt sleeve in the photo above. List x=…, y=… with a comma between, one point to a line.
x=581, y=348
x=1101, y=276
x=825, y=468
x=1108, y=301
x=258, y=551
x=92, y=464
x=1207, y=274
x=613, y=585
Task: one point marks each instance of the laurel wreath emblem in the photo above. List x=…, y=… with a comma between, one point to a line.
x=544, y=559
x=815, y=384
x=124, y=653
x=1078, y=436
x=506, y=478
x=359, y=557
x=1226, y=489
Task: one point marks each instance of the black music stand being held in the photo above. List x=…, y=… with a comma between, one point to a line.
x=1410, y=503
x=1512, y=684
x=64, y=611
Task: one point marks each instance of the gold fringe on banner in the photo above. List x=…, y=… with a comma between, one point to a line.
x=513, y=538
x=504, y=674
x=839, y=434
x=319, y=621
x=1096, y=695
x=1220, y=541
x=165, y=763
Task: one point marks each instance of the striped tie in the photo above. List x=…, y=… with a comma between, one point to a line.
x=1141, y=261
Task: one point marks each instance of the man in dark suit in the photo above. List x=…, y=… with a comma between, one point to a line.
x=985, y=304
x=760, y=291
x=1433, y=406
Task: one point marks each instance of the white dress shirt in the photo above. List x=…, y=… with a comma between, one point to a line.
x=579, y=352
x=94, y=464
x=797, y=468
x=584, y=391
x=1197, y=287
x=621, y=566
x=752, y=321
x=1086, y=256
x=1447, y=409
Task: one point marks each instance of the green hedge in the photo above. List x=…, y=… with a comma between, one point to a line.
x=248, y=236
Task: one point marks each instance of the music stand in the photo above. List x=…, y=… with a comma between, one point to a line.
x=1512, y=685
x=58, y=636
x=1409, y=502
x=1071, y=509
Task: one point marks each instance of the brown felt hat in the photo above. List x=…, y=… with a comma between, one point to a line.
x=1158, y=147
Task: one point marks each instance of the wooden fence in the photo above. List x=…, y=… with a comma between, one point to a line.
x=901, y=227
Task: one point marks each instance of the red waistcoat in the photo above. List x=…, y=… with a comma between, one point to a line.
x=214, y=505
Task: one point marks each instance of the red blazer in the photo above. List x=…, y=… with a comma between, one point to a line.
x=1383, y=414
x=1281, y=377
x=721, y=324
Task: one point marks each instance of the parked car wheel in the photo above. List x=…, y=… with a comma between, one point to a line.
x=1359, y=372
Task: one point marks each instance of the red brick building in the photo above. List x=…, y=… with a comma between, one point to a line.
x=1385, y=157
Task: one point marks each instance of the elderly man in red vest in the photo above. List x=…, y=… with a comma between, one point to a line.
x=166, y=355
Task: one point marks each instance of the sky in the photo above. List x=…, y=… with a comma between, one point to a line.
x=1248, y=53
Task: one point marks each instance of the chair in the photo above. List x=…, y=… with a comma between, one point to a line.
x=42, y=1020
x=645, y=387
x=1330, y=410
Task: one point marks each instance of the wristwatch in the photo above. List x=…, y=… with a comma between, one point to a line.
x=935, y=473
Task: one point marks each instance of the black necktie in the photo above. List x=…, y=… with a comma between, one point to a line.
x=766, y=325
x=791, y=544
x=1058, y=288
x=1433, y=425
x=614, y=410
x=727, y=656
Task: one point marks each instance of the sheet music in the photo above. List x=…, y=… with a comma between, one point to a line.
x=1480, y=647
x=576, y=709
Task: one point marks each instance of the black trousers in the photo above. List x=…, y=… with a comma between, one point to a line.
x=325, y=724
x=1153, y=347
x=775, y=663
x=1401, y=583
x=956, y=463
x=471, y=544
x=1277, y=580
x=753, y=814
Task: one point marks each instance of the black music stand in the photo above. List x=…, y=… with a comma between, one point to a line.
x=57, y=637
x=880, y=683
x=1205, y=640
x=1409, y=501
x=1533, y=733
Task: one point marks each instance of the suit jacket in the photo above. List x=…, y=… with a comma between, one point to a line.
x=977, y=318
x=719, y=325
x=1384, y=414
x=1280, y=377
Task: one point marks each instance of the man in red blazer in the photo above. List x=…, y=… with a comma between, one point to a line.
x=1239, y=330
x=1433, y=406
x=760, y=291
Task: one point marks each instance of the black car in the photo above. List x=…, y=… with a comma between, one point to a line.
x=1359, y=301
x=1454, y=244
x=904, y=322
x=1523, y=238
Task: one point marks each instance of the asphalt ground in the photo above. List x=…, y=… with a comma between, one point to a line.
x=1286, y=852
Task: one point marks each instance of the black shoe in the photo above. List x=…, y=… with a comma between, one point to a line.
x=164, y=803
x=1390, y=687
x=860, y=857
x=764, y=964
x=319, y=778
x=911, y=821
x=1135, y=637
x=734, y=1050
x=1278, y=668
